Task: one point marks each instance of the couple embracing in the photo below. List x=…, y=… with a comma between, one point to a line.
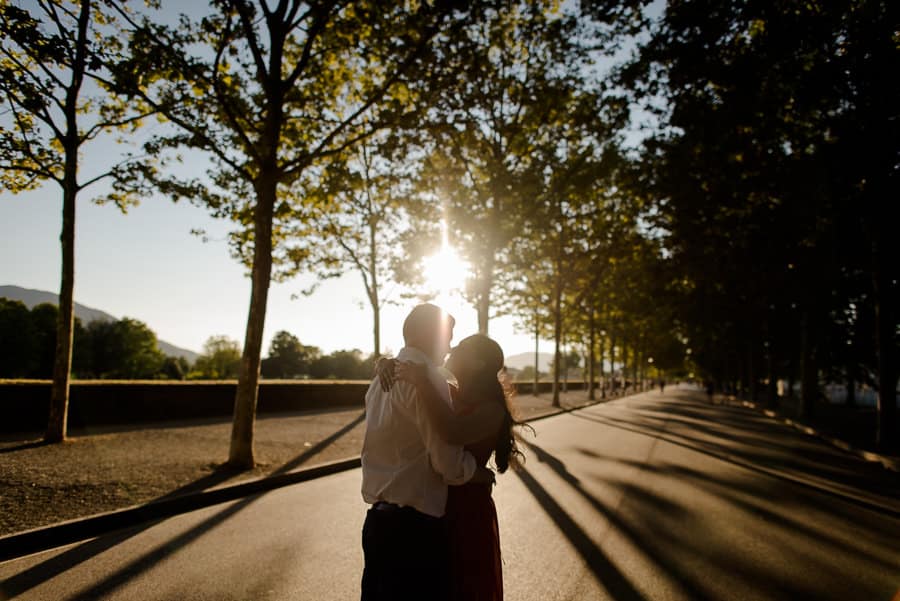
x=431, y=531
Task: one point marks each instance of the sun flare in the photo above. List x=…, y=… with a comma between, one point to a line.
x=445, y=271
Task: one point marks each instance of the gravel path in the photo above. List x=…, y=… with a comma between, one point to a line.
x=99, y=470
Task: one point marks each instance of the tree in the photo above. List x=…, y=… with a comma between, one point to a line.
x=343, y=364
x=220, y=359
x=773, y=113
x=288, y=357
x=174, y=368
x=17, y=349
x=50, y=52
x=125, y=349
x=484, y=129
x=363, y=208
x=271, y=95
x=44, y=319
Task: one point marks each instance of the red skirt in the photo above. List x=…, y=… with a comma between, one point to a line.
x=475, y=570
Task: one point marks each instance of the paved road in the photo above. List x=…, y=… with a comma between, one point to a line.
x=648, y=497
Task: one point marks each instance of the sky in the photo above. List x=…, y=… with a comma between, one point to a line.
x=147, y=265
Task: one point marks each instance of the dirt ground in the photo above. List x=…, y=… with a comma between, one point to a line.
x=99, y=470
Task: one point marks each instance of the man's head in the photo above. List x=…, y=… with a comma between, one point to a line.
x=429, y=329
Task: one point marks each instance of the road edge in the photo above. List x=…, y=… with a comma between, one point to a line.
x=889, y=463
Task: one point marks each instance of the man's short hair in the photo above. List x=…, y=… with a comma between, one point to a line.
x=425, y=318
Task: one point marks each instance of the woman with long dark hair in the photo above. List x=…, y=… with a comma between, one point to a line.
x=480, y=420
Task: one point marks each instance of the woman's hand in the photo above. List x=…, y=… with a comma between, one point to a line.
x=414, y=373
x=384, y=369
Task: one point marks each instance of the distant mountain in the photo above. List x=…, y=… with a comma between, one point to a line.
x=86, y=314
x=522, y=360
x=171, y=350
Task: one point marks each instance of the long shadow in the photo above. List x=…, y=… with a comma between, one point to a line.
x=792, y=445
x=559, y=467
x=46, y=570
x=734, y=457
x=21, y=447
x=730, y=491
x=824, y=467
x=785, y=447
x=607, y=574
x=649, y=542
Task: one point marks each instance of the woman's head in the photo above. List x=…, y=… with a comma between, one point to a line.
x=477, y=362
x=475, y=357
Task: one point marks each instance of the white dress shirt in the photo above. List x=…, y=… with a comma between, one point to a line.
x=404, y=461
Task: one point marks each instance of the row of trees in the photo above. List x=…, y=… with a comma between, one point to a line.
x=341, y=135
x=127, y=349
x=774, y=178
x=123, y=349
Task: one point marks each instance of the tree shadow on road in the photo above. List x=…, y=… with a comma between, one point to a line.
x=783, y=454
x=58, y=564
x=654, y=532
x=604, y=570
x=753, y=498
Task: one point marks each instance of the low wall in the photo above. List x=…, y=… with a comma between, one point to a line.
x=24, y=403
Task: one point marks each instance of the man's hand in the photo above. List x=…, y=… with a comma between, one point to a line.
x=384, y=369
x=484, y=476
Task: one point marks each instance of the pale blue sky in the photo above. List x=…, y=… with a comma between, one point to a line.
x=148, y=265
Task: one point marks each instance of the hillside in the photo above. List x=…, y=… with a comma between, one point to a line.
x=521, y=360
x=86, y=314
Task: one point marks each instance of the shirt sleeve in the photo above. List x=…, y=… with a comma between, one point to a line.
x=452, y=462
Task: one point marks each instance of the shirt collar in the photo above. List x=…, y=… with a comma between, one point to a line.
x=408, y=353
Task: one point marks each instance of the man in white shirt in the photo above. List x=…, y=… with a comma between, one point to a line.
x=406, y=469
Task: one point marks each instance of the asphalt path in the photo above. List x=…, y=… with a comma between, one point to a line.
x=648, y=497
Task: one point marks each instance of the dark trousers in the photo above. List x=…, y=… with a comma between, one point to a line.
x=406, y=554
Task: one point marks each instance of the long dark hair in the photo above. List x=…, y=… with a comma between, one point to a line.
x=488, y=384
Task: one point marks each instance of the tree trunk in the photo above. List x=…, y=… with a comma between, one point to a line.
x=636, y=369
x=752, y=379
x=885, y=327
x=641, y=369
x=791, y=379
x=373, y=292
x=557, y=337
x=57, y=421
x=772, y=387
x=612, y=362
x=58, y=414
x=592, y=343
x=483, y=306
x=808, y=370
x=601, y=359
x=537, y=369
x=241, y=453
x=376, y=328
x=851, y=388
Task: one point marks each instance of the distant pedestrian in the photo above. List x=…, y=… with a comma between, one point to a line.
x=662, y=386
x=710, y=389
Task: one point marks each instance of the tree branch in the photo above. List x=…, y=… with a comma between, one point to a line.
x=262, y=74
x=27, y=148
x=223, y=100
x=318, y=25
x=25, y=71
